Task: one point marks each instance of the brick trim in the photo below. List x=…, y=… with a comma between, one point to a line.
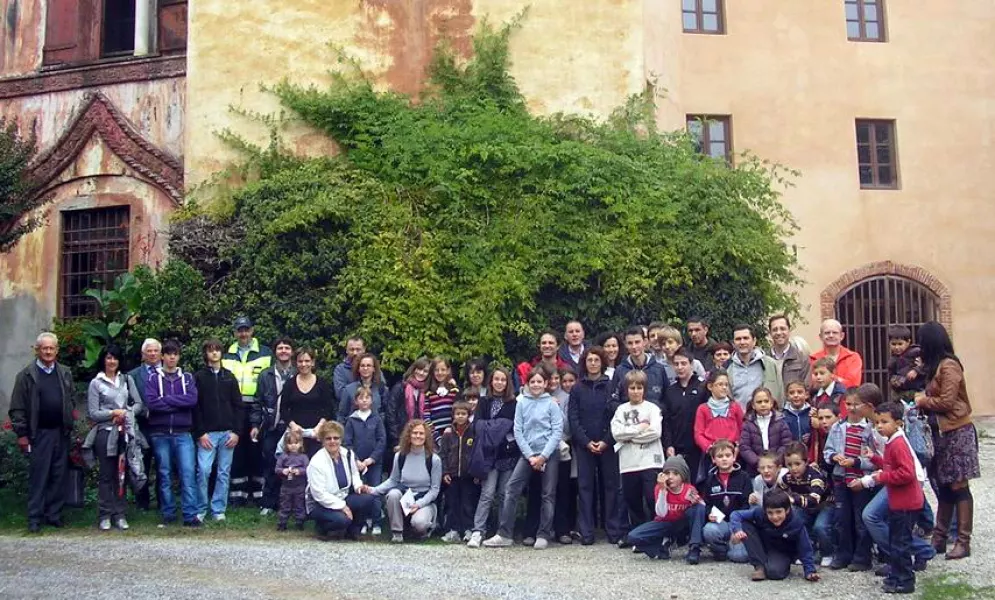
x=887, y=267
x=98, y=116
x=95, y=75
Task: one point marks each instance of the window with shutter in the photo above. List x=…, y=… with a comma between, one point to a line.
x=172, y=26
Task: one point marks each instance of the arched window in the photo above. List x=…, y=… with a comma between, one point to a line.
x=869, y=307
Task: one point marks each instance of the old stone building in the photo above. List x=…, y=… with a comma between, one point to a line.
x=884, y=106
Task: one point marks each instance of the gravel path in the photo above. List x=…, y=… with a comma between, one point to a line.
x=99, y=567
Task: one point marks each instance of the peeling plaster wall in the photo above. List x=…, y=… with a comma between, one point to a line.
x=22, y=31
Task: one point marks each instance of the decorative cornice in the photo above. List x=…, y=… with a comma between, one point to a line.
x=99, y=116
x=94, y=75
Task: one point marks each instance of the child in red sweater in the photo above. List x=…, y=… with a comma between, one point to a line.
x=905, y=498
x=679, y=511
x=717, y=419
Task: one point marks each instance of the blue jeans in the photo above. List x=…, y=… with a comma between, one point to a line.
x=716, y=535
x=334, y=521
x=648, y=537
x=822, y=529
x=900, y=538
x=853, y=543
x=205, y=460
x=178, y=447
x=876, y=520
x=374, y=477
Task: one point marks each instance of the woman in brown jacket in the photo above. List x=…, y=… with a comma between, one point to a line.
x=955, y=461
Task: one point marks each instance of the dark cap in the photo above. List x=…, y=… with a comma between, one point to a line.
x=242, y=323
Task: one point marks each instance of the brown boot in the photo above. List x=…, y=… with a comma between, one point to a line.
x=965, y=526
x=944, y=513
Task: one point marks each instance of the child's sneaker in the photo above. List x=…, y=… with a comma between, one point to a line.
x=475, y=539
x=497, y=542
x=664, y=553
x=826, y=561
x=105, y=525
x=219, y=517
x=363, y=530
x=397, y=538
x=451, y=537
x=694, y=555
x=377, y=532
x=467, y=535
x=540, y=544
x=529, y=541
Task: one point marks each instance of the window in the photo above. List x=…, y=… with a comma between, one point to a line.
x=712, y=135
x=870, y=307
x=865, y=20
x=876, y=160
x=95, y=248
x=703, y=16
x=85, y=31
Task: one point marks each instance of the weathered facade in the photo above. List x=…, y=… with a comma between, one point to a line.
x=105, y=94
x=883, y=105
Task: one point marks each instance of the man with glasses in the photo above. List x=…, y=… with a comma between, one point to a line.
x=849, y=364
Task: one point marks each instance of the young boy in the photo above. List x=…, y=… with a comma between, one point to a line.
x=679, y=512
x=798, y=414
x=845, y=448
x=807, y=490
x=667, y=341
x=721, y=353
x=637, y=427
x=463, y=491
x=827, y=414
x=366, y=436
x=774, y=536
x=217, y=419
x=906, y=373
x=769, y=474
x=898, y=473
x=725, y=490
x=827, y=388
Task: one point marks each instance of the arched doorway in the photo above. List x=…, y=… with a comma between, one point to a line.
x=869, y=300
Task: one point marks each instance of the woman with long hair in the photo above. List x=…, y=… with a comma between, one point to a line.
x=307, y=400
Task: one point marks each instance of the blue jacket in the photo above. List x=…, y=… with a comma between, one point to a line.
x=348, y=397
x=590, y=416
x=341, y=377
x=799, y=422
x=656, y=383
x=366, y=439
x=791, y=538
x=538, y=425
x=490, y=439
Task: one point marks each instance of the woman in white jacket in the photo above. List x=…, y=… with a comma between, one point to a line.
x=334, y=498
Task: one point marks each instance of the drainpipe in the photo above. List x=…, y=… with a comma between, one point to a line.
x=143, y=15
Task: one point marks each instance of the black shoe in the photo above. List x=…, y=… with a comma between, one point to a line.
x=664, y=553
x=920, y=564
x=300, y=526
x=882, y=571
x=857, y=567
x=34, y=527
x=694, y=555
x=587, y=542
x=193, y=524
x=837, y=565
x=719, y=556
x=57, y=523
x=281, y=526
x=622, y=544
x=892, y=589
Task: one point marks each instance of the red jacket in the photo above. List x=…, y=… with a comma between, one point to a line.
x=708, y=429
x=523, y=368
x=849, y=367
x=898, y=474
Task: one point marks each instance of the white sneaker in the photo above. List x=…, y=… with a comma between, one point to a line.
x=218, y=517
x=497, y=542
x=451, y=537
x=529, y=541
x=826, y=561
x=540, y=544
x=122, y=524
x=265, y=512
x=201, y=517
x=377, y=532
x=105, y=525
x=475, y=539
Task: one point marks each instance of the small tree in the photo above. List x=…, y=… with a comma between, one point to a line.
x=16, y=201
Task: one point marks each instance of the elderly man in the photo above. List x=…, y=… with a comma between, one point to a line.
x=791, y=364
x=750, y=368
x=151, y=361
x=41, y=411
x=849, y=364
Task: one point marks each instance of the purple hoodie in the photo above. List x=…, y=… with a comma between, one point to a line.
x=170, y=398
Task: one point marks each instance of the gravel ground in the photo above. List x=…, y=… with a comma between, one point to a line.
x=97, y=567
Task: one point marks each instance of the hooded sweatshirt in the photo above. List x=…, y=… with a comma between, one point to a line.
x=170, y=398
x=639, y=448
x=365, y=435
x=790, y=538
x=538, y=425
x=799, y=422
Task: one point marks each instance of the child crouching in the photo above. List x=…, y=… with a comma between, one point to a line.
x=291, y=468
x=679, y=511
x=775, y=537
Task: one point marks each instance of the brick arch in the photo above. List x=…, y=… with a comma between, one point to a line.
x=887, y=267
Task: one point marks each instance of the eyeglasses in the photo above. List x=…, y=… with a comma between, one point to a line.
x=329, y=438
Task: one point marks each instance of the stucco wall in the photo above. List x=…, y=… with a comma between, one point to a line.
x=22, y=32
x=578, y=56
x=794, y=85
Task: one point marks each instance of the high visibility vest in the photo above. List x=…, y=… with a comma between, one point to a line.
x=258, y=359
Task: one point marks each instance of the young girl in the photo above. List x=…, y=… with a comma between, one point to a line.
x=538, y=429
x=798, y=414
x=366, y=437
x=637, y=427
x=763, y=430
x=291, y=468
x=716, y=419
x=495, y=412
x=407, y=401
x=440, y=395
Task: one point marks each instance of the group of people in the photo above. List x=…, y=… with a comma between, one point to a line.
x=759, y=457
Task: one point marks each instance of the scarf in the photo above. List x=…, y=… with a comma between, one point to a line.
x=411, y=387
x=719, y=408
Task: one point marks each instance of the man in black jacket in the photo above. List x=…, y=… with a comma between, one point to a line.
x=680, y=404
x=266, y=421
x=41, y=412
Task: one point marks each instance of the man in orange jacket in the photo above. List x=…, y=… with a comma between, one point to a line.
x=849, y=364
